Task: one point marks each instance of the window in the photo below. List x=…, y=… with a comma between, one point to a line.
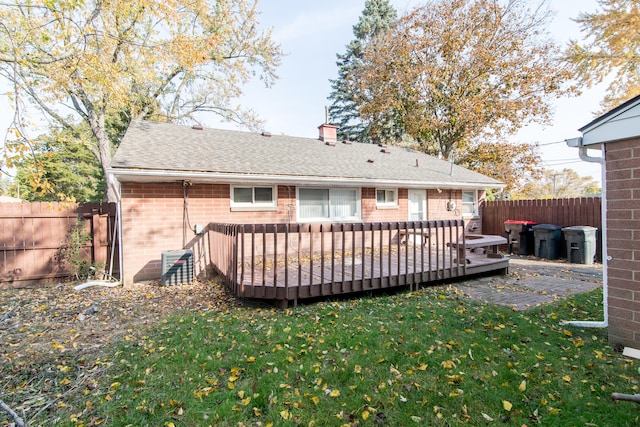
x=254, y=198
x=386, y=198
x=469, y=203
x=333, y=204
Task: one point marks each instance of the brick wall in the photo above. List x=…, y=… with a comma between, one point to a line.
x=153, y=219
x=623, y=241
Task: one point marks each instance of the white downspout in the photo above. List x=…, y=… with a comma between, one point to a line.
x=116, y=187
x=582, y=151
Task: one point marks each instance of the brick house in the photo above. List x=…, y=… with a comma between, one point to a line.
x=617, y=134
x=174, y=180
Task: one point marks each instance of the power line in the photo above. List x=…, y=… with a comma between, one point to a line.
x=551, y=143
x=563, y=161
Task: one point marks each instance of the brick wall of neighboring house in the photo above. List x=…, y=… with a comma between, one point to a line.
x=153, y=217
x=623, y=240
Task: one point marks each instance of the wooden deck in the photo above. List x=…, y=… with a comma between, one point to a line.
x=288, y=262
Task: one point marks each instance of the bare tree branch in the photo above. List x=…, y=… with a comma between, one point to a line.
x=16, y=418
x=627, y=397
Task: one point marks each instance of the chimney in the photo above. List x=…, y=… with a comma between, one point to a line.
x=328, y=133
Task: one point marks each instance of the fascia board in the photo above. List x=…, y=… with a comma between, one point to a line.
x=131, y=175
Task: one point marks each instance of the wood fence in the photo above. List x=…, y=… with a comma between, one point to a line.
x=33, y=235
x=562, y=212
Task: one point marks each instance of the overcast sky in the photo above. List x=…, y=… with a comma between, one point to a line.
x=311, y=32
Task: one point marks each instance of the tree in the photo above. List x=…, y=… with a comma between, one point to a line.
x=63, y=166
x=5, y=183
x=611, y=45
x=458, y=70
x=559, y=185
x=513, y=164
x=82, y=61
x=377, y=17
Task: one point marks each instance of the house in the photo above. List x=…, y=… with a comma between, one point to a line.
x=176, y=180
x=617, y=135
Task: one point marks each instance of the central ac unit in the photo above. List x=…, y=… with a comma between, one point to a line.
x=177, y=267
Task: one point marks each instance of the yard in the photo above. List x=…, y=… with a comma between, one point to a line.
x=193, y=355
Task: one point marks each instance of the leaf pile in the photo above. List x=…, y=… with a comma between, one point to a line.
x=55, y=340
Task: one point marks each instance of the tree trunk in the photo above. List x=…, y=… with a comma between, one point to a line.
x=96, y=121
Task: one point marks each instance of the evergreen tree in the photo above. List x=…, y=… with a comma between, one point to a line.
x=62, y=167
x=378, y=16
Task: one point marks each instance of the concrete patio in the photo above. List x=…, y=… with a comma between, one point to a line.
x=532, y=282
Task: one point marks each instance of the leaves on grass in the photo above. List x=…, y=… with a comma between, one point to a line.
x=56, y=340
x=416, y=358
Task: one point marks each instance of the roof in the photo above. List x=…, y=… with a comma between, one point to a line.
x=164, y=152
x=621, y=122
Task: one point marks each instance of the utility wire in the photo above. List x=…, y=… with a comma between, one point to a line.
x=551, y=143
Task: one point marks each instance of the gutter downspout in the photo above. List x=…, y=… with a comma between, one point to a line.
x=116, y=187
x=582, y=151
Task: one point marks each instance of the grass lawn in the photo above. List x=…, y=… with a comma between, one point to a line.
x=430, y=357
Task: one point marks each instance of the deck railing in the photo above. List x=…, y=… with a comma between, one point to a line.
x=292, y=261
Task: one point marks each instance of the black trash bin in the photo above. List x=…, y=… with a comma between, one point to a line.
x=519, y=234
x=547, y=237
x=581, y=244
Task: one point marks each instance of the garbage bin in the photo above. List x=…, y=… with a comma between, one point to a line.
x=519, y=234
x=547, y=238
x=581, y=243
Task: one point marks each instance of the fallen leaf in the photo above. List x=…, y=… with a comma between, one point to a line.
x=285, y=414
x=522, y=386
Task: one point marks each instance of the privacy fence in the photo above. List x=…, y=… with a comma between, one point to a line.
x=41, y=241
x=562, y=212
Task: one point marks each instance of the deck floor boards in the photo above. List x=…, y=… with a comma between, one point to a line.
x=311, y=260
x=419, y=267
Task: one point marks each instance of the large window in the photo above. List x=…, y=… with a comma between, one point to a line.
x=386, y=198
x=254, y=198
x=332, y=204
x=469, y=203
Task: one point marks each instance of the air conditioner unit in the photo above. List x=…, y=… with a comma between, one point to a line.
x=177, y=267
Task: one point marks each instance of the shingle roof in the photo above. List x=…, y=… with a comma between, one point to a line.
x=173, y=149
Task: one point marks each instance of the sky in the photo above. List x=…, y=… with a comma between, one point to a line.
x=312, y=32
